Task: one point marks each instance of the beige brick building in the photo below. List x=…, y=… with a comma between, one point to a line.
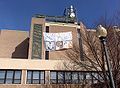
x=25, y=62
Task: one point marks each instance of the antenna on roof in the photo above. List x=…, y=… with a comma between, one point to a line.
x=70, y=12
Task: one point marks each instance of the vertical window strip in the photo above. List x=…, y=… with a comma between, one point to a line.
x=37, y=42
x=47, y=52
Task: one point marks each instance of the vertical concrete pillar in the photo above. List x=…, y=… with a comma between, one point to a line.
x=24, y=76
x=47, y=77
x=34, y=21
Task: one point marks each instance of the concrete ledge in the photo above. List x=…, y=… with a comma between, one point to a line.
x=30, y=64
x=42, y=86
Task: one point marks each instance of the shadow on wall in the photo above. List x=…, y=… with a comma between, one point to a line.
x=21, y=51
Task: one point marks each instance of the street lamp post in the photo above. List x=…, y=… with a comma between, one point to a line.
x=102, y=33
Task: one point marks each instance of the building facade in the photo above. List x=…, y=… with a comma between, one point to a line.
x=25, y=61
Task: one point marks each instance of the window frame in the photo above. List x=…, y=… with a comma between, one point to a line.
x=32, y=80
x=81, y=76
x=12, y=77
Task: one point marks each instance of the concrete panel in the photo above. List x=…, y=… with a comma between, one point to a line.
x=10, y=40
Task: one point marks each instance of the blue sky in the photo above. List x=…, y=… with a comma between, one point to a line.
x=16, y=14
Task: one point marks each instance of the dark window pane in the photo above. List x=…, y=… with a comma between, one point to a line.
x=68, y=77
x=95, y=77
x=81, y=77
x=36, y=75
x=53, y=81
x=60, y=77
x=53, y=77
x=88, y=75
x=9, y=77
x=8, y=81
x=101, y=77
x=88, y=78
x=60, y=81
x=17, y=75
x=2, y=74
x=29, y=81
x=47, y=55
x=9, y=74
x=17, y=81
x=75, y=77
x=29, y=75
x=42, y=81
x=1, y=81
x=35, y=81
x=42, y=77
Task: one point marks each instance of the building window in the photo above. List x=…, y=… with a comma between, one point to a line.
x=17, y=77
x=88, y=77
x=47, y=55
x=2, y=77
x=81, y=76
x=35, y=77
x=73, y=77
x=68, y=77
x=60, y=77
x=53, y=77
x=10, y=76
x=95, y=77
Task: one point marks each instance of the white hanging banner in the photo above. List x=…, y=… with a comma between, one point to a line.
x=57, y=41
